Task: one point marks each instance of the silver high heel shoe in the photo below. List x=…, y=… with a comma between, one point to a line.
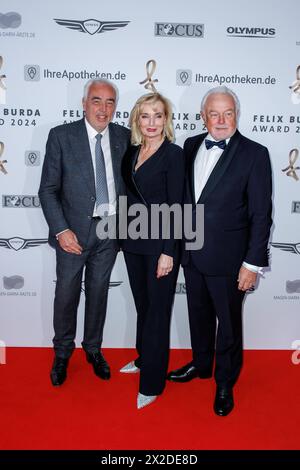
x=145, y=400
x=130, y=368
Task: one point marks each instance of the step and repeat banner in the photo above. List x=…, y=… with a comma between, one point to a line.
x=50, y=49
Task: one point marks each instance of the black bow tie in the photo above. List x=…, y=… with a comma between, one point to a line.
x=210, y=143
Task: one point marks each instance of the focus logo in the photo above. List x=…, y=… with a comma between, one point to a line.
x=296, y=207
x=179, y=30
x=20, y=201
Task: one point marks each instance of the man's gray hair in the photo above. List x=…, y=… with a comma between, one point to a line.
x=99, y=81
x=224, y=91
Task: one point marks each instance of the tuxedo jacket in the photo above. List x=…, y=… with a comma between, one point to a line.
x=67, y=189
x=159, y=180
x=237, y=207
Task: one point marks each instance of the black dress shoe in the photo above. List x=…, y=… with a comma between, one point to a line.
x=101, y=368
x=58, y=372
x=224, y=401
x=187, y=373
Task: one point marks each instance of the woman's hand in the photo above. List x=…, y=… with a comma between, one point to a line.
x=164, y=265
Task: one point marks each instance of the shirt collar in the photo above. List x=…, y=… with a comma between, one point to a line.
x=210, y=137
x=92, y=132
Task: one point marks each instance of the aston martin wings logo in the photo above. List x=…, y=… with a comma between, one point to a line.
x=111, y=284
x=17, y=243
x=91, y=26
x=115, y=283
x=290, y=247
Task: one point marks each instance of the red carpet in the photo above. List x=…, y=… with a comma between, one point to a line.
x=88, y=413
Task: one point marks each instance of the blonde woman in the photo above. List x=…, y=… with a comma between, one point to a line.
x=153, y=171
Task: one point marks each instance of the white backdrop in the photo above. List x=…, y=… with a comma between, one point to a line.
x=253, y=46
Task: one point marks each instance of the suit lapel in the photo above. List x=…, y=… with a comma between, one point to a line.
x=82, y=152
x=128, y=165
x=116, y=156
x=220, y=167
x=134, y=157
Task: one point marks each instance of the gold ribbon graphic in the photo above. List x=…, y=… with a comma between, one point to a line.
x=296, y=84
x=2, y=76
x=291, y=169
x=149, y=83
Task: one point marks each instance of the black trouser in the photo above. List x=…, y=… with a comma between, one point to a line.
x=98, y=259
x=153, y=300
x=210, y=298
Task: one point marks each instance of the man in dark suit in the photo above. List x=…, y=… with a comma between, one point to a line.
x=82, y=170
x=231, y=176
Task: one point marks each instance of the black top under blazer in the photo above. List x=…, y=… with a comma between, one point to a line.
x=237, y=206
x=160, y=179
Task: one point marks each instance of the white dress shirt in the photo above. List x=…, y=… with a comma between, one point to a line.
x=112, y=197
x=205, y=161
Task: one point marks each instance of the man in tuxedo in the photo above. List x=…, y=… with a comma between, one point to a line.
x=231, y=176
x=82, y=170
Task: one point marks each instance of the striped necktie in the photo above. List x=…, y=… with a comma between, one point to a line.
x=101, y=181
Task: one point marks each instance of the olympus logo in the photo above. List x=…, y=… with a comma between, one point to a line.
x=246, y=32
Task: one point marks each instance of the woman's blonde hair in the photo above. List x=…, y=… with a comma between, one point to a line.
x=150, y=98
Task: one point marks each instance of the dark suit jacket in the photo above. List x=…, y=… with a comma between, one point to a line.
x=159, y=180
x=67, y=190
x=237, y=206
